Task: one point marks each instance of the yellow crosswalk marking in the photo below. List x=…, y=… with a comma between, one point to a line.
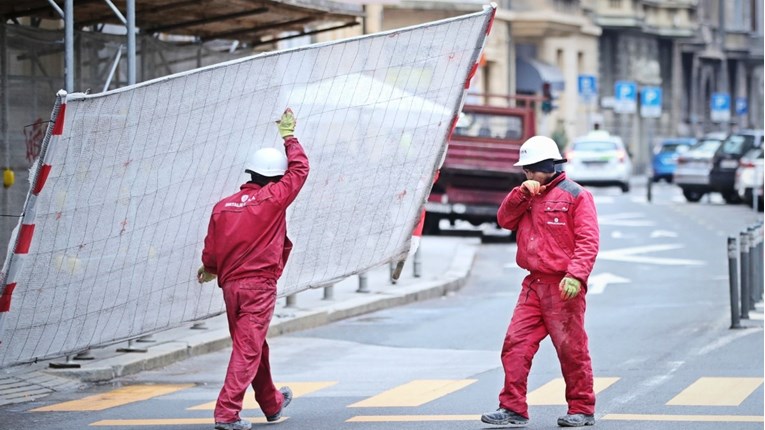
x=554, y=392
x=716, y=392
x=171, y=422
x=411, y=418
x=113, y=398
x=700, y=418
x=298, y=389
x=414, y=393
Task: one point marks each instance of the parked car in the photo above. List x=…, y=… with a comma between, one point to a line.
x=749, y=177
x=665, y=156
x=693, y=166
x=726, y=161
x=599, y=159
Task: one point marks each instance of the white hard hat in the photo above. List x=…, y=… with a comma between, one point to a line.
x=267, y=162
x=539, y=148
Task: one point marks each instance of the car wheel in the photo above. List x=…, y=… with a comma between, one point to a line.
x=625, y=187
x=692, y=196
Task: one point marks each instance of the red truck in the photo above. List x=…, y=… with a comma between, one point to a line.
x=478, y=170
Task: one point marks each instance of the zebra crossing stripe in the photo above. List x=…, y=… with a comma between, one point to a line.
x=691, y=418
x=414, y=393
x=410, y=418
x=114, y=398
x=170, y=422
x=716, y=391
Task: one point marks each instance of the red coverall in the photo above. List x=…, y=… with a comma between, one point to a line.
x=557, y=235
x=247, y=247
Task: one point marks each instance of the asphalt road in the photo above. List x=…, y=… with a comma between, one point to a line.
x=658, y=318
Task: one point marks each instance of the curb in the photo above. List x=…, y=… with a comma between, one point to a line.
x=217, y=338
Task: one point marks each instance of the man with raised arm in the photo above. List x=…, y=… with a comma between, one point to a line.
x=246, y=248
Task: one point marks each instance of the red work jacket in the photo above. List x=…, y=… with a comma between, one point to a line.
x=557, y=231
x=247, y=234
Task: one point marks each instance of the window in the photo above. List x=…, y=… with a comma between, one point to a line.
x=615, y=4
x=487, y=125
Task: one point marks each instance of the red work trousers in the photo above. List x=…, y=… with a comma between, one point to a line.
x=250, y=306
x=540, y=311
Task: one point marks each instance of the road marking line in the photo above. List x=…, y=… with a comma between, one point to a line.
x=172, y=421
x=554, y=392
x=414, y=393
x=114, y=398
x=410, y=418
x=716, y=392
x=702, y=418
x=298, y=389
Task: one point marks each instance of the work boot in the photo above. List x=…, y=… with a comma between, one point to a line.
x=576, y=420
x=504, y=417
x=287, y=393
x=236, y=425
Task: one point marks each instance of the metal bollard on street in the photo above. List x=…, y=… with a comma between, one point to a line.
x=753, y=287
x=363, y=284
x=417, y=263
x=744, y=278
x=291, y=301
x=329, y=293
x=758, y=262
x=735, y=316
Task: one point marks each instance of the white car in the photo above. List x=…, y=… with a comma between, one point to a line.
x=599, y=159
x=749, y=177
x=693, y=166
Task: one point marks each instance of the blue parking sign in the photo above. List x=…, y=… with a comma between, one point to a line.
x=742, y=106
x=650, y=102
x=588, y=87
x=625, y=97
x=719, y=105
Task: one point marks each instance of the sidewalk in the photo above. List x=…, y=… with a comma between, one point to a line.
x=445, y=266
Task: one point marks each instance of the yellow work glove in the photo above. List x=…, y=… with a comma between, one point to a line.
x=569, y=288
x=203, y=275
x=287, y=123
x=532, y=187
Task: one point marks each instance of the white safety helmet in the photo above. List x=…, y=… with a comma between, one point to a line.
x=539, y=148
x=267, y=162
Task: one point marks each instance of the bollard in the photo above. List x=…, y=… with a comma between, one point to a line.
x=291, y=301
x=132, y=348
x=363, y=285
x=417, y=263
x=758, y=262
x=753, y=287
x=735, y=317
x=744, y=263
x=329, y=293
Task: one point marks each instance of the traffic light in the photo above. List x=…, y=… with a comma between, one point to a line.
x=547, y=98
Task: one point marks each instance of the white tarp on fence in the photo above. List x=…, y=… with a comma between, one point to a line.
x=120, y=222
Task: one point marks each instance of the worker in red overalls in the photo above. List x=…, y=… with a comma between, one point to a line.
x=246, y=248
x=558, y=239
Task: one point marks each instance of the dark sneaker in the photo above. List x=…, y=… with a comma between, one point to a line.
x=237, y=425
x=287, y=393
x=576, y=420
x=504, y=417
